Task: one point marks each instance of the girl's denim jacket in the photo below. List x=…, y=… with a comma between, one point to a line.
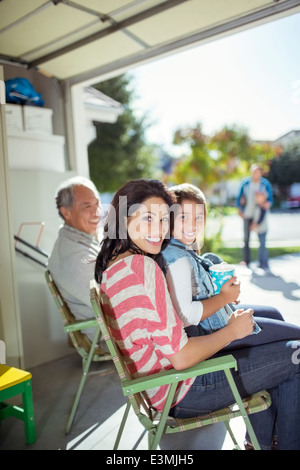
x=202, y=286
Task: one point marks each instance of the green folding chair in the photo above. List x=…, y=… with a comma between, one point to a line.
x=87, y=349
x=157, y=424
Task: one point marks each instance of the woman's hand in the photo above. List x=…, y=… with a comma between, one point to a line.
x=241, y=322
x=199, y=348
x=230, y=290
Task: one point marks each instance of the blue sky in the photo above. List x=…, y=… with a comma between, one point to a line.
x=251, y=79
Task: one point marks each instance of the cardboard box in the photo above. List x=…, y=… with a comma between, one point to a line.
x=37, y=120
x=33, y=151
x=14, y=118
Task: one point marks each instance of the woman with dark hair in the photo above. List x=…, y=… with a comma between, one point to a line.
x=151, y=338
x=130, y=198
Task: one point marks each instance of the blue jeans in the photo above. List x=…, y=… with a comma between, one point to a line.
x=263, y=257
x=274, y=367
x=272, y=325
x=273, y=328
x=261, y=310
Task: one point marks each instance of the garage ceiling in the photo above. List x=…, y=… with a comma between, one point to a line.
x=80, y=39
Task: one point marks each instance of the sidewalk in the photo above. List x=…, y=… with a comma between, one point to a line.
x=279, y=288
x=284, y=230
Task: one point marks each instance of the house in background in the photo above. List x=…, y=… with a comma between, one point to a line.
x=288, y=138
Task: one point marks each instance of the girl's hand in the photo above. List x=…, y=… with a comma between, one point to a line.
x=230, y=290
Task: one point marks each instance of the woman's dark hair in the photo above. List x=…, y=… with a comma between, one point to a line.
x=125, y=202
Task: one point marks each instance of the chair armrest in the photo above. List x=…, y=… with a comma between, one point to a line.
x=130, y=387
x=81, y=325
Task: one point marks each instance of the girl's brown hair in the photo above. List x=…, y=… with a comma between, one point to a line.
x=189, y=192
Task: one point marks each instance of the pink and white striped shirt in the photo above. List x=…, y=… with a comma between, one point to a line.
x=143, y=322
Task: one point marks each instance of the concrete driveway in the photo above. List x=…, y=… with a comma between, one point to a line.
x=280, y=287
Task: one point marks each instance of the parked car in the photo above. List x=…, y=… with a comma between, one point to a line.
x=294, y=197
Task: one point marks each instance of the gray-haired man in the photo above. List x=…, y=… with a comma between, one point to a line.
x=77, y=246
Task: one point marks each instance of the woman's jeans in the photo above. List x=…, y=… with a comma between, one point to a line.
x=263, y=257
x=273, y=328
x=274, y=367
x=272, y=325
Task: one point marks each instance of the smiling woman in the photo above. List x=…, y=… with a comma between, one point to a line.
x=137, y=222
x=151, y=338
x=149, y=224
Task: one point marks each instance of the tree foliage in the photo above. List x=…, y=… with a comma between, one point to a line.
x=285, y=169
x=227, y=154
x=196, y=168
x=118, y=154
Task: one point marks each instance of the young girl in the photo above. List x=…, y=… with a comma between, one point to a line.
x=190, y=284
x=151, y=337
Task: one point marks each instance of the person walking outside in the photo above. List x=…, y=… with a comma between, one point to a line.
x=254, y=200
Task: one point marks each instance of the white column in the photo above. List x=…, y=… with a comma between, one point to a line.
x=76, y=130
x=10, y=324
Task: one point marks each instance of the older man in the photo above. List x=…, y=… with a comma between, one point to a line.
x=72, y=260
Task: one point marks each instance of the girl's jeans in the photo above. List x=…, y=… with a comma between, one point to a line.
x=274, y=367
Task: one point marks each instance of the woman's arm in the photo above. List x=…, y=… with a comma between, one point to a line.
x=170, y=338
x=199, y=348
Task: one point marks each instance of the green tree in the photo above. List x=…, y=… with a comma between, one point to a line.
x=285, y=169
x=237, y=152
x=198, y=167
x=227, y=154
x=119, y=154
x=232, y=146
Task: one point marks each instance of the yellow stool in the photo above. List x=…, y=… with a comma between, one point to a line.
x=14, y=382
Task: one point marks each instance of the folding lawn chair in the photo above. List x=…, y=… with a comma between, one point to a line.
x=87, y=349
x=160, y=423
